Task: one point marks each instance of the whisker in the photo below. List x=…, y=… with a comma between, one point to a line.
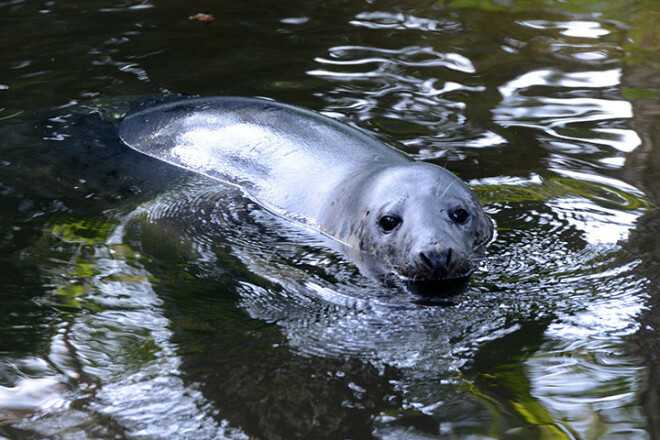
x=447, y=189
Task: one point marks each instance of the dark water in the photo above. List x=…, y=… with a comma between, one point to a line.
x=138, y=301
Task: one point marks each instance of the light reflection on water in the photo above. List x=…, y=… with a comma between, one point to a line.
x=168, y=319
x=575, y=28
x=120, y=352
x=400, y=21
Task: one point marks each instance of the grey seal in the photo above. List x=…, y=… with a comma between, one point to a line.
x=411, y=218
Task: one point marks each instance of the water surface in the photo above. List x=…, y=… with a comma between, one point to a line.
x=142, y=302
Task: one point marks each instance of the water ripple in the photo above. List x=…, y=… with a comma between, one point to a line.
x=412, y=56
x=573, y=28
x=400, y=21
x=567, y=118
x=531, y=104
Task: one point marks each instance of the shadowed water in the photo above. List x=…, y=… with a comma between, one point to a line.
x=141, y=301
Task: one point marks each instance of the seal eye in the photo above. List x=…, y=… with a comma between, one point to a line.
x=459, y=215
x=389, y=222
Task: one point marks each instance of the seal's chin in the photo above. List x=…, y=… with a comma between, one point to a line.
x=438, y=292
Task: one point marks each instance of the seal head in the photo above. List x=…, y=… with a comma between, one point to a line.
x=417, y=220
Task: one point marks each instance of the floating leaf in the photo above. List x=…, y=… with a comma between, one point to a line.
x=203, y=17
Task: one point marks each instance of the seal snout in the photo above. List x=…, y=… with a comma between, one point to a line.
x=440, y=263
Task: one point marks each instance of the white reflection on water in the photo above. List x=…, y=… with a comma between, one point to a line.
x=576, y=28
x=599, y=226
x=412, y=56
x=564, y=117
x=409, y=93
x=582, y=374
x=124, y=341
x=44, y=393
x=620, y=139
x=400, y=21
x=548, y=113
x=149, y=399
x=557, y=78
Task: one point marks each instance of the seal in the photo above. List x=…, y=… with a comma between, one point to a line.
x=411, y=218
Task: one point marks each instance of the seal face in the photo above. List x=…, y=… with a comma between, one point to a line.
x=419, y=220
x=414, y=219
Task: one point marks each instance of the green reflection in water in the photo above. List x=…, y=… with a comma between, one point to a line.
x=84, y=240
x=642, y=42
x=72, y=230
x=498, y=379
x=558, y=187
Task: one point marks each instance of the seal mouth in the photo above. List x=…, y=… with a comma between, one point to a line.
x=425, y=275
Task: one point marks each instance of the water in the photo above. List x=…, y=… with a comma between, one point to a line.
x=142, y=302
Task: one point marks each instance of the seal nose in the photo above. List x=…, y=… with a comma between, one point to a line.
x=438, y=262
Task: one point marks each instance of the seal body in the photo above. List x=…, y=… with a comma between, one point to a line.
x=415, y=219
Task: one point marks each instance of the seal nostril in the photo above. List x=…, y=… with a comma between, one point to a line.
x=448, y=260
x=426, y=261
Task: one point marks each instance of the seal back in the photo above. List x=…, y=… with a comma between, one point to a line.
x=270, y=150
